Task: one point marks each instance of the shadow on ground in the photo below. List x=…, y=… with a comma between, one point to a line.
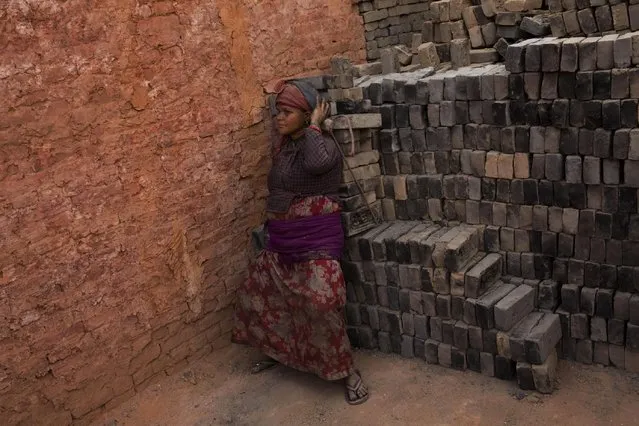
x=218, y=391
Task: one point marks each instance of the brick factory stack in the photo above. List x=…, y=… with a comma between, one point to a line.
x=508, y=192
x=488, y=25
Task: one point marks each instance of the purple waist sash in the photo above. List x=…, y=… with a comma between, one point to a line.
x=298, y=240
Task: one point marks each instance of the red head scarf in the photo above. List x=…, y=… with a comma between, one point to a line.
x=295, y=94
x=289, y=95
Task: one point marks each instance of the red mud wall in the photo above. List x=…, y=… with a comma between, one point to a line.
x=133, y=152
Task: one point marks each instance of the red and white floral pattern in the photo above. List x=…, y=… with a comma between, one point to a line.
x=294, y=314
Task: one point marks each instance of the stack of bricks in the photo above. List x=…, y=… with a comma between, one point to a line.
x=426, y=290
x=459, y=19
x=541, y=156
x=490, y=26
x=592, y=17
x=390, y=22
x=361, y=182
x=587, y=95
x=445, y=24
x=433, y=164
x=340, y=84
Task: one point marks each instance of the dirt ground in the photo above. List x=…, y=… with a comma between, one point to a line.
x=218, y=391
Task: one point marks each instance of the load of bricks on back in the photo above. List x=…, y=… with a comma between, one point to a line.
x=487, y=23
x=510, y=206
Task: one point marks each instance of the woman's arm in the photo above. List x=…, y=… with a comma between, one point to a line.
x=320, y=152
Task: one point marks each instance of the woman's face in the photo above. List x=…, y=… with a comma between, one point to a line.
x=289, y=120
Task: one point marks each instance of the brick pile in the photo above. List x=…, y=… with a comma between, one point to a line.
x=390, y=22
x=595, y=140
x=459, y=19
x=427, y=290
x=511, y=185
x=489, y=26
x=594, y=17
x=465, y=31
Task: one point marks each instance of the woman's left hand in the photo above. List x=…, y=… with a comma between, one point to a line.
x=320, y=113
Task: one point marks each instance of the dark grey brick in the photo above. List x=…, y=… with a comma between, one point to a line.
x=570, y=298
x=584, y=85
x=550, y=56
x=629, y=112
x=482, y=274
x=458, y=359
x=584, y=351
x=616, y=331
x=513, y=307
x=490, y=340
x=460, y=335
x=579, y=326
x=605, y=303
x=504, y=368
x=598, y=329
x=601, y=353
x=436, y=329
x=543, y=338
x=525, y=376
x=486, y=304
x=487, y=361
x=554, y=167
x=601, y=82
x=549, y=295
x=445, y=354
x=632, y=337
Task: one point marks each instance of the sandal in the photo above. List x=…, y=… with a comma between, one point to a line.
x=263, y=365
x=359, y=391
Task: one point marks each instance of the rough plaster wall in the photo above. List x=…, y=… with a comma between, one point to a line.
x=132, y=160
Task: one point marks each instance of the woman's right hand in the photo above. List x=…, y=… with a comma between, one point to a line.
x=320, y=113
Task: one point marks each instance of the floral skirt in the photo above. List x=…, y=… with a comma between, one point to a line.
x=295, y=313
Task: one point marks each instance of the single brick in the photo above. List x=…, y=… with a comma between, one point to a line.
x=513, y=307
x=543, y=338
x=548, y=295
x=570, y=298
x=517, y=336
x=504, y=368
x=632, y=338
x=486, y=303
x=598, y=329
x=525, y=376
x=616, y=331
x=587, y=47
x=587, y=21
x=487, y=361
x=584, y=351
x=570, y=54
x=545, y=374
x=482, y=275
x=617, y=356
x=444, y=354
x=432, y=351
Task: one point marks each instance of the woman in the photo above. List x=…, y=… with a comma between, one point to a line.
x=291, y=306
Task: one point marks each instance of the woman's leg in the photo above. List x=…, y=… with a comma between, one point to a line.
x=356, y=390
x=261, y=317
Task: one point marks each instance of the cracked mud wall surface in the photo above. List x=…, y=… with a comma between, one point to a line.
x=133, y=154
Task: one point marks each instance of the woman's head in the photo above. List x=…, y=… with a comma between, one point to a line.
x=295, y=103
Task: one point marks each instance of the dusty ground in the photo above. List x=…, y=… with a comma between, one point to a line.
x=217, y=391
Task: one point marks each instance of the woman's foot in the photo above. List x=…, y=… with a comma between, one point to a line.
x=356, y=391
x=263, y=365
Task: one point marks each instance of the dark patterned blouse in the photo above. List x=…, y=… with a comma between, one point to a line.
x=310, y=165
